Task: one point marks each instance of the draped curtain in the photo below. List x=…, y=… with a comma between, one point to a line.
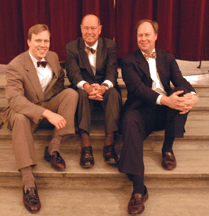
x=183, y=24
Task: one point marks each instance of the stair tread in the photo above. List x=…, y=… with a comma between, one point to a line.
x=196, y=126
x=54, y=201
x=191, y=161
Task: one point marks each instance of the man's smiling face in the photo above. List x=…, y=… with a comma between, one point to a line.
x=39, y=44
x=146, y=37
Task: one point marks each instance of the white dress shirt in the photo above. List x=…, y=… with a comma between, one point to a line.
x=44, y=74
x=156, y=84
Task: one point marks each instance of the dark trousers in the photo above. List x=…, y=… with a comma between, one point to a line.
x=137, y=124
x=111, y=105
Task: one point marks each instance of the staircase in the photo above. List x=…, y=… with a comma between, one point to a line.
x=102, y=190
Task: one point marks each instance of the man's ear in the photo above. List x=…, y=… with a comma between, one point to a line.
x=28, y=42
x=100, y=29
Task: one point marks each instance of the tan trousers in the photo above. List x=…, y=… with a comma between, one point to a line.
x=64, y=103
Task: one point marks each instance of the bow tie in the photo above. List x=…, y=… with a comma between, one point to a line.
x=88, y=49
x=151, y=55
x=43, y=63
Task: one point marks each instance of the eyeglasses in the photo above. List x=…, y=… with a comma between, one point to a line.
x=92, y=28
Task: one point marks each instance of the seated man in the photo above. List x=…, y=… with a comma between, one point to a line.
x=151, y=105
x=92, y=69
x=36, y=96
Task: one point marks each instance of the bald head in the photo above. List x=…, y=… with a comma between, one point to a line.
x=90, y=29
x=91, y=17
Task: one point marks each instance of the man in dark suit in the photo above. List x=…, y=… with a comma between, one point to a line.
x=92, y=69
x=152, y=104
x=36, y=97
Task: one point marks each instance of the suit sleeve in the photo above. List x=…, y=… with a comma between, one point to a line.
x=176, y=76
x=16, y=98
x=72, y=65
x=111, y=64
x=136, y=82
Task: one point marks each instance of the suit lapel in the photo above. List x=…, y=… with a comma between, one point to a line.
x=143, y=64
x=84, y=57
x=100, y=54
x=161, y=67
x=33, y=77
x=55, y=72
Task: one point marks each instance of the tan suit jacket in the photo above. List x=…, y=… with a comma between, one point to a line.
x=23, y=89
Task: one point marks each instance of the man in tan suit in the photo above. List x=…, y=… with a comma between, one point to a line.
x=36, y=97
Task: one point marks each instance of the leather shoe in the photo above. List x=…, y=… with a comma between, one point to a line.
x=31, y=200
x=87, y=159
x=169, y=161
x=136, y=203
x=55, y=159
x=109, y=154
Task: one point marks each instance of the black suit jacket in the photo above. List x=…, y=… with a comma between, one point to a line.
x=78, y=67
x=136, y=75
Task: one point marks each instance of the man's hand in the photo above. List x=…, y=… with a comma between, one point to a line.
x=183, y=104
x=95, y=91
x=190, y=101
x=101, y=89
x=57, y=120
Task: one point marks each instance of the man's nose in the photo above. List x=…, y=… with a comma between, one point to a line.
x=143, y=37
x=43, y=43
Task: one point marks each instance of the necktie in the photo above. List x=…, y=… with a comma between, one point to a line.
x=151, y=55
x=43, y=63
x=88, y=49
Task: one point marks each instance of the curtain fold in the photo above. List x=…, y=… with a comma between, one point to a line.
x=128, y=13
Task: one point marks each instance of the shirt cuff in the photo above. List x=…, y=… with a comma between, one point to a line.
x=192, y=92
x=109, y=83
x=158, y=99
x=80, y=84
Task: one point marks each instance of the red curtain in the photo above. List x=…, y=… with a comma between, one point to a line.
x=183, y=24
x=11, y=30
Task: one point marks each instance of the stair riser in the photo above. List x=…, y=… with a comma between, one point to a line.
x=111, y=183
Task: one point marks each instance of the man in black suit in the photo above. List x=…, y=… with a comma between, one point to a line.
x=151, y=105
x=92, y=69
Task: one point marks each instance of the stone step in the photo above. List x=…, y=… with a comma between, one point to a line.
x=71, y=202
x=196, y=128
x=191, y=158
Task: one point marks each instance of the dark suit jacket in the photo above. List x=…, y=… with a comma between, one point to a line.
x=136, y=75
x=23, y=89
x=78, y=66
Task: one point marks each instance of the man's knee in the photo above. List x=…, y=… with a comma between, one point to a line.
x=180, y=88
x=129, y=119
x=70, y=93
x=82, y=93
x=20, y=121
x=112, y=94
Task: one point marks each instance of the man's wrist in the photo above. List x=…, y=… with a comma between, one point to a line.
x=105, y=85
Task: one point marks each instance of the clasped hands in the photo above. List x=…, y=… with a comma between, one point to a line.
x=183, y=104
x=95, y=91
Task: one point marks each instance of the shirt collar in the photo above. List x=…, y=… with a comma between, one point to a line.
x=149, y=53
x=93, y=47
x=34, y=60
